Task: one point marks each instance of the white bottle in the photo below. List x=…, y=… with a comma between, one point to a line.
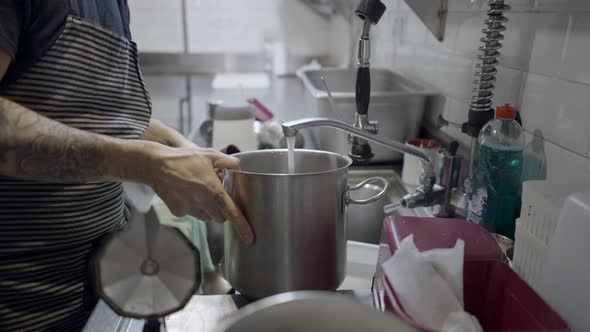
x=233, y=124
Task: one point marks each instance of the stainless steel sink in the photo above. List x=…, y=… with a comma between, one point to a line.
x=365, y=221
x=396, y=102
x=384, y=83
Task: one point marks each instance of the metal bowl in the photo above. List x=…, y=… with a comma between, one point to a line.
x=311, y=311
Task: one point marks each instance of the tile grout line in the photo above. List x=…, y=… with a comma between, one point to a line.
x=558, y=145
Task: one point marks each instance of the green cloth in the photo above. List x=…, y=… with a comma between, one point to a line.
x=194, y=229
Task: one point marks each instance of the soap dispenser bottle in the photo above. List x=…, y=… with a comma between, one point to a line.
x=495, y=195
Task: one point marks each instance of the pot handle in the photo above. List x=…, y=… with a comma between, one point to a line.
x=369, y=200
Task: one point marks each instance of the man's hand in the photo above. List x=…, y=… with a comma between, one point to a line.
x=186, y=179
x=33, y=147
x=206, y=202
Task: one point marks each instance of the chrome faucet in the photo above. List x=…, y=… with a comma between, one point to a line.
x=370, y=11
x=437, y=185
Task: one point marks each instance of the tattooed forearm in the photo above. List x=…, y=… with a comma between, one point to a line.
x=37, y=148
x=73, y=157
x=34, y=147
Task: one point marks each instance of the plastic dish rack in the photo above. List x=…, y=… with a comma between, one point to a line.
x=539, y=216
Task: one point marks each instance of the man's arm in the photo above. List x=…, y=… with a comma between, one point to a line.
x=34, y=147
x=161, y=133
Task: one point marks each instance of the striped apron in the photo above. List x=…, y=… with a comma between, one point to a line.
x=89, y=79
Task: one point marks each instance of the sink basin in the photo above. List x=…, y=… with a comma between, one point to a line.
x=365, y=221
x=384, y=83
x=396, y=103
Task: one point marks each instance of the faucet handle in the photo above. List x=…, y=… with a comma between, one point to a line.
x=361, y=121
x=360, y=150
x=373, y=127
x=449, y=167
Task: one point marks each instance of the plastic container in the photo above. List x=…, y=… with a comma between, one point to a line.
x=564, y=278
x=541, y=206
x=432, y=233
x=542, y=202
x=361, y=259
x=493, y=293
x=233, y=124
x=529, y=255
x=495, y=195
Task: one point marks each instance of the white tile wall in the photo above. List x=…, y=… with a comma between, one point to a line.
x=508, y=86
x=454, y=110
x=544, y=69
x=453, y=24
x=469, y=27
x=562, y=115
x=231, y=25
x=157, y=33
x=454, y=75
x=562, y=5
x=520, y=5
x=548, y=42
x=563, y=164
x=477, y=5
x=303, y=31
x=516, y=46
x=465, y=5
x=575, y=52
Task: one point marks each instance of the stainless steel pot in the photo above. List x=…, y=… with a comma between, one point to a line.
x=299, y=220
x=311, y=312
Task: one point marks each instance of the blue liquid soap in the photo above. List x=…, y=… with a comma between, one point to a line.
x=496, y=187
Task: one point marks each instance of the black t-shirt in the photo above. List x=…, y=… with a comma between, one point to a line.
x=29, y=27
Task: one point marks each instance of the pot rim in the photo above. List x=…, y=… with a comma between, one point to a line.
x=337, y=155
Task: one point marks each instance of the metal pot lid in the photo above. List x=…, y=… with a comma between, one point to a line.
x=148, y=270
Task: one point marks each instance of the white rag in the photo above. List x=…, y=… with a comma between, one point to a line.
x=429, y=286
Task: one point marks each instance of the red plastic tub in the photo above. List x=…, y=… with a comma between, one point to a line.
x=493, y=292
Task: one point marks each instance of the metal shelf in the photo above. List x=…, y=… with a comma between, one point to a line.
x=199, y=64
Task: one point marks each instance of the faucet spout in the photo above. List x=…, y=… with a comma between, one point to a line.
x=435, y=188
x=290, y=129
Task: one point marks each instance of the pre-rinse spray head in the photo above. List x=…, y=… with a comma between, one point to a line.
x=371, y=10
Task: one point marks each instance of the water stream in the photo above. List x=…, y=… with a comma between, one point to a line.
x=291, y=154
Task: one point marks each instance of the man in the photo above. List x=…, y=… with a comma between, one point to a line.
x=74, y=123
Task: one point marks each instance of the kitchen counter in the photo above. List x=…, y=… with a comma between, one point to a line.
x=201, y=314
